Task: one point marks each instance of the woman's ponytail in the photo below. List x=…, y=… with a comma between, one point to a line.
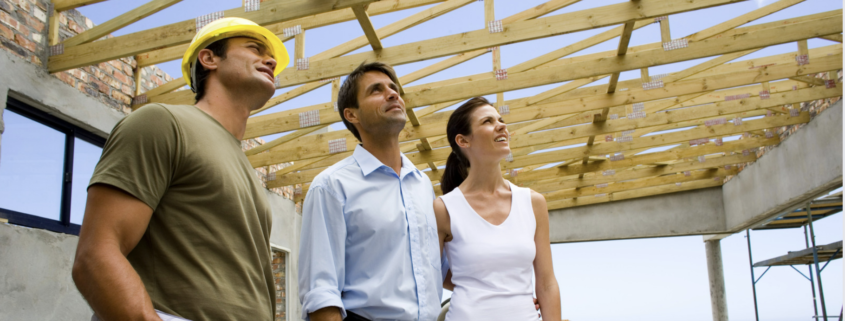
x=457, y=165
x=455, y=173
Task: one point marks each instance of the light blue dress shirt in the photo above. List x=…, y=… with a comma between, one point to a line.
x=369, y=242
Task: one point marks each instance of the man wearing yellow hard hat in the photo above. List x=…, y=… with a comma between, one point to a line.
x=177, y=223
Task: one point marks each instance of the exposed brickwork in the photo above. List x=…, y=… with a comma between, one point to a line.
x=279, y=278
x=23, y=31
x=285, y=191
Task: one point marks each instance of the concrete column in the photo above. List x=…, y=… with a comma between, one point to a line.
x=718, y=300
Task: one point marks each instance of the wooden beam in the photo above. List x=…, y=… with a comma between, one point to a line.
x=119, y=22
x=556, y=183
x=515, y=32
x=62, y=5
x=665, y=34
x=677, y=179
x=624, y=40
x=663, y=139
x=362, y=41
x=369, y=31
x=745, y=18
x=674, y=116
x=645, y=159
x=436, y=125
x=271, y=11
x=711, y=47
x=837, y=38
x=637, y=193
x=53, y=30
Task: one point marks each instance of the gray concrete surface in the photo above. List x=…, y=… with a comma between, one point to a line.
x=805, y=165
x=38, y=88
x=716, y=274
x=686, y=213
x=35, y=281
x=287, y=225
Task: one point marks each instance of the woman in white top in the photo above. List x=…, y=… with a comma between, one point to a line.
x=495, y=234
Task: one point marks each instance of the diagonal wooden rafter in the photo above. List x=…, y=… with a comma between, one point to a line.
x=367, y=25
x=347, y=47
x=514, y=32
x=271, y=11
x=309, y=22
x=63, y=5
x=308, y=149
x=120, y=21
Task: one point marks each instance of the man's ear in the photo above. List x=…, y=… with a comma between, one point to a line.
x=351, y=115
x=208, y=60
x=462, y=141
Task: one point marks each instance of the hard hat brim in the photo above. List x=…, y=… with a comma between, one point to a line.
x=273, y=43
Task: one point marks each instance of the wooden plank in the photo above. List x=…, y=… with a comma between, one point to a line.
x=303, y=149
x=514, y=32
x=310, y=22
x=665, y=34
x=53, y=29
x=367, y=25
x=120, y=21
x=706, y=48
x=637, y=193
x=639, y=183
x=281, y=140
x=259, y=126
x=663, y=139
x=559, y=183
x=674, y=116
x=837, y=38
x=271, y=11
x=165, y=88
x=624, y=40
x=62, y=5
x=645, y=159
x=745, y=18
x=393, y=28
x=443, y=64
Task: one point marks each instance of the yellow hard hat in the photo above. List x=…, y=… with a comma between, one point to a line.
x=227, y=28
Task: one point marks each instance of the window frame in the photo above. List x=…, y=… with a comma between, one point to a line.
x=71, y=132
x=288, y=272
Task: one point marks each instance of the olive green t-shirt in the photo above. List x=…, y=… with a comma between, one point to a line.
x=206, y=252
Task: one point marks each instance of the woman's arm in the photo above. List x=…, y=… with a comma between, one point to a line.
x=548, y=292
x=444, y=234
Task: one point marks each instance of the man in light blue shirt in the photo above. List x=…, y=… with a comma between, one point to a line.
x=369, y=247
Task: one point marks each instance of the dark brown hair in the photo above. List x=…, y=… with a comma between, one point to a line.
x=347, y=96
x=457, y=165
x=219, y=49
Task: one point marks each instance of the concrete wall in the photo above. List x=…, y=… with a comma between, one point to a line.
x=41, y=90
x=35, y=269
x=35, y=281
x=687, y=213
x=287, y=224
x=802, y=167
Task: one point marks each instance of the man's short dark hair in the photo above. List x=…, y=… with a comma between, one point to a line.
x=219, y=49
x=347, y=97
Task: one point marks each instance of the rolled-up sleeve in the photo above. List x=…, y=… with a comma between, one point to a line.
x=321, y=252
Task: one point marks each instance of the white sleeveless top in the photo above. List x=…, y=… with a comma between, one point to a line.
x=492, y=265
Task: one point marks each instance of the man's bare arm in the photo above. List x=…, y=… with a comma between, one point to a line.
x=326, y=314
x=114, y=223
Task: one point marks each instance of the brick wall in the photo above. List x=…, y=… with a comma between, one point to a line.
x=279, y=278
x=23, y=31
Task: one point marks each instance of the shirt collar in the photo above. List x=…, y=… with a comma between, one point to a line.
x=370, y=163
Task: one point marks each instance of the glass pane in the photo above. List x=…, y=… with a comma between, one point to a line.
x=31, y=167
x=85, y=158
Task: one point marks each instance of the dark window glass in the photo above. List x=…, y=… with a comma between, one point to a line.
x=31, y=167
x=85, y=158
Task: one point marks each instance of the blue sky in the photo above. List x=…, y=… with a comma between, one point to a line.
x=655, y=279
